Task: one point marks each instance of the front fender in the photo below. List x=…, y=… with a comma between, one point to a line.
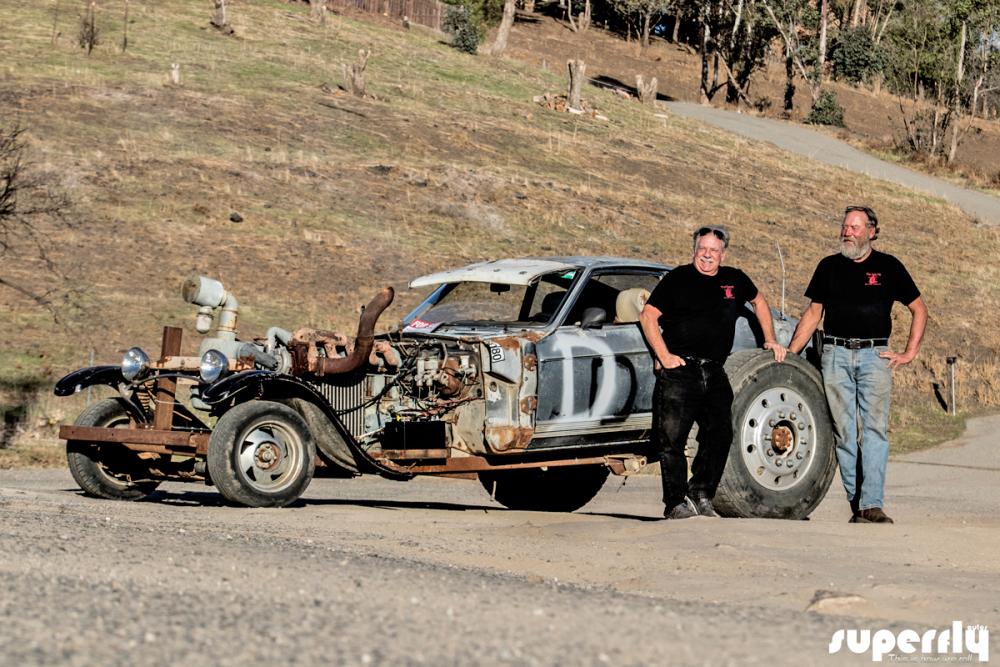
x=268, y=385
x=88, y=377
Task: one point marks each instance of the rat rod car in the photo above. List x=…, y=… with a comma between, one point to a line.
x=531, y=375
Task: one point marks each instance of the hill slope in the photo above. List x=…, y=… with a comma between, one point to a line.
x=450, y=161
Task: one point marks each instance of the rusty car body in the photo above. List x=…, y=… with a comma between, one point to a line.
x=531, y=375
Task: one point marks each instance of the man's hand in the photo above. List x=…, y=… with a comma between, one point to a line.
x=897, y=359
x=778, y=350
x=671, y=361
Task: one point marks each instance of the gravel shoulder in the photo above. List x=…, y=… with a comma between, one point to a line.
x=828, y=150
x=431, y=571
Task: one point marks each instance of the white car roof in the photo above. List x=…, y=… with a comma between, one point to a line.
x=505, y=271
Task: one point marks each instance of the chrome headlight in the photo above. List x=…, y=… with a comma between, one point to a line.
x=213, y=365
x=134, y=363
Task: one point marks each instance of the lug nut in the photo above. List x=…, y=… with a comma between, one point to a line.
x=789, y=463
x=770, y=452
x=799, y=456
x=802, y=426
x=772, y=423
x=781, y=415
x=778, y=462
x=793, y=416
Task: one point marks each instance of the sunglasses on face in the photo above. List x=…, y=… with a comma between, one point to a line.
x=720, y=234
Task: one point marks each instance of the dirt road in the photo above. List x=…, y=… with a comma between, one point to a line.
x=829, y=150
x=431, y=571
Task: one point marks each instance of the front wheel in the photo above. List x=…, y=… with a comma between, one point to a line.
x=782, y=458
x=109, y=470
x=261, y=454
x=558, y=489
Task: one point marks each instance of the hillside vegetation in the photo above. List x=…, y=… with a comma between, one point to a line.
x=448, y=161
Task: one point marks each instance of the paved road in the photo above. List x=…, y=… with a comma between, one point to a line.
x=369, y=571
x=828, y=150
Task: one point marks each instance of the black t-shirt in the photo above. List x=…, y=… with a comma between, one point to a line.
x=857, y=297
x=699, y=312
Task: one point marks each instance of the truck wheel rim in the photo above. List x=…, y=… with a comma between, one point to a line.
x=777, y=435
x=269, y=457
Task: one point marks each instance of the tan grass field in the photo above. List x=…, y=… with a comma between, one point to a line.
x=449, y=162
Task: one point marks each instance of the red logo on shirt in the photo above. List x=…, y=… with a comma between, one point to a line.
x=873, y=279
x=728, y=289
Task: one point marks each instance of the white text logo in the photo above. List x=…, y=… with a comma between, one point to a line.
x=945, y=644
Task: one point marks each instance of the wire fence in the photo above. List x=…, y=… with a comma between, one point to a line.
x=421, y=12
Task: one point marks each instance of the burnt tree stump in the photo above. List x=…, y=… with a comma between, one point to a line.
x=646, y=90
x=354, y=74
x=577, y=73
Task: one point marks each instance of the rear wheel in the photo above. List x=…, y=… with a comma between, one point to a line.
x=782, y=458
x=108, y=470
x=557, y=489
x=261, y=454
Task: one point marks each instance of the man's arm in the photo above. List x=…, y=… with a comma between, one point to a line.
x=763, y=312
x=649, y=320
x=918, y=310
x=806, y=327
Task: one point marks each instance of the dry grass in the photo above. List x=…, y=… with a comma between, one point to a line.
x=450, y=162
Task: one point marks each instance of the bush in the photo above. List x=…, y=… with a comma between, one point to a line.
x=854, y=56
x=465, y=27
x=826, y=111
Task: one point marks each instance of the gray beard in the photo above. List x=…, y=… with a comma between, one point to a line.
x=853, y=252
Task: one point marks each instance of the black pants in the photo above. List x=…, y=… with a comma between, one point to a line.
x=695, y=393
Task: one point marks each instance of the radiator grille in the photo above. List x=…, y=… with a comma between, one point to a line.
x=345, y=398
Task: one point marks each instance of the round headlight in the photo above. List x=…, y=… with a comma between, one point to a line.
x=134, y=363
x=213, y=365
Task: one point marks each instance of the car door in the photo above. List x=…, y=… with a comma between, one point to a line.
x=595, y=383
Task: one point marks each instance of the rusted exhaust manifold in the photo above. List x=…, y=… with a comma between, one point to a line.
x=305, y=344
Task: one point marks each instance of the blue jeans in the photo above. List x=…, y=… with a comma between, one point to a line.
x=858, y=389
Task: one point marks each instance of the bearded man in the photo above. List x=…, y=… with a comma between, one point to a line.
x=853, y=293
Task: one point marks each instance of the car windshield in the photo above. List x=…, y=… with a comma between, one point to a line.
x=476, y=302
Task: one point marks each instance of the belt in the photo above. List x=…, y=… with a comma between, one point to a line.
x=855, y=343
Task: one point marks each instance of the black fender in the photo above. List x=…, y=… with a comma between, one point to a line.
x=92, y=376
x=88, y=377
x=268, y=385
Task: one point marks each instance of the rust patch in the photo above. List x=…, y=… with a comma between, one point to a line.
x=507, y=343
x=504, y=438
x=529, y=404
x=530, y=362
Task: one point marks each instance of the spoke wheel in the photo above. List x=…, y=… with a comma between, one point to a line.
x=261, y=454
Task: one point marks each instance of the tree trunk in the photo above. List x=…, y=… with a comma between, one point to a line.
x=856, y=13
x=529, y=6
x=956, y=109
x=585, y=17
x=646, y=18
x=789, y=82
x=704, y=96
x=675, y=37
x=646, y=90
x=822, y=37
x=503, y=33
x=354, y=74
x=577, y=72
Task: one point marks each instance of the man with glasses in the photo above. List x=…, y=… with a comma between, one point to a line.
x=853, y=293
x=689, y=322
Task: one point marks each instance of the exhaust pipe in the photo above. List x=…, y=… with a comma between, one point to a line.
x=305, y=343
